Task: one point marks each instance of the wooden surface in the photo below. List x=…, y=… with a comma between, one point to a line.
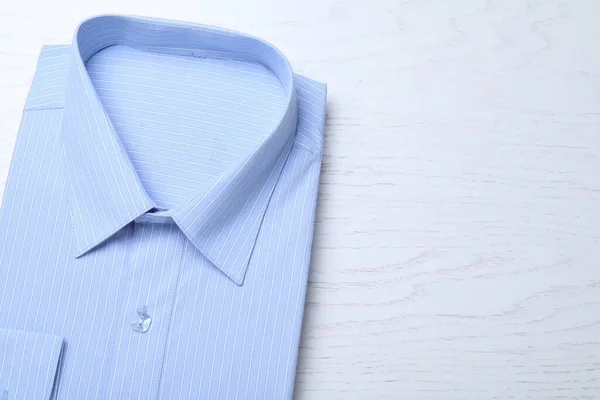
x=456, y=253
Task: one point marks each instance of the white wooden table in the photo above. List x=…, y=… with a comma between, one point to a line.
x=457, y=247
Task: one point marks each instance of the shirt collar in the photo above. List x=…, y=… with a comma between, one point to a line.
x=106, y=192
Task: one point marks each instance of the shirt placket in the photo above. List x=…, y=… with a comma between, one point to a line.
x=146, y=303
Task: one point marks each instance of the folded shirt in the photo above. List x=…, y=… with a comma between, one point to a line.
x=158, y=216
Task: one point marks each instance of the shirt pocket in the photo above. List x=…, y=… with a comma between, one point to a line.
x=29, y=364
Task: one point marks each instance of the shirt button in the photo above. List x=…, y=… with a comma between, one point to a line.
x=142, y=324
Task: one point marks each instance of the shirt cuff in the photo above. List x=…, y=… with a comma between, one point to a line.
x=29, y=364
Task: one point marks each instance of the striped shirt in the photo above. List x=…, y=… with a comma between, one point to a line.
x=157, y=221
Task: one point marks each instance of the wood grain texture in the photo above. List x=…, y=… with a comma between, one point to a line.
x=456, y=253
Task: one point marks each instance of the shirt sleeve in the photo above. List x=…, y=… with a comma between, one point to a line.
x=29, y=364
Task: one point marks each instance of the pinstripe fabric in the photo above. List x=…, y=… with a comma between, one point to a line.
x=165, y=171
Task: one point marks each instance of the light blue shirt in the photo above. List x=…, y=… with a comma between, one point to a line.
x=158, y=216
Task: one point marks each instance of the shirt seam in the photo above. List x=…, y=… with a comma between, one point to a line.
x=306, y=271
x=72, y=201
x=41, y=108
x=167, y=333
x=301, y=146
x=119, y=314
x=254, y=232
x=55, y=359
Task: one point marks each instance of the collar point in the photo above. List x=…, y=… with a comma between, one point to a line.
x=235, y=274
x=238, y=280
x=80, y=252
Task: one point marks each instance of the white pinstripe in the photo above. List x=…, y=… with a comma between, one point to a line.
x=262, y=286
x=202, y=267
x=147, y=300
x=45, y=230
x=300, y=289
x=100, y=90
x=223, y=301
x=46, y=385
x=124, y=269
x=200, y=61
x=47, y=87
x=37, y=375
x=127, y=304
x=224, y=296
x=211, y=272
x=174, y=142
x=10, y=212
x=74, y=354
x=120, y=107
x=35, y=338
x=294, y=269
x=199, y=105
x=85, y=318
x=244, y=89
x=250, y=98
x=61, y=292
x=177, y=261
x=253, y=287
x=36, y=230
x=276, y=264
x=285, y=267
x=102, y=320
x=10, y=305
x=185, y=252
x=173, y=160
x=80, y=151
x=12, y=361
x=95, y=146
